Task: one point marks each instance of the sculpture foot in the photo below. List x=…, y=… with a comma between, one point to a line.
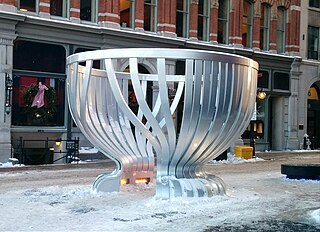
x=107, y=183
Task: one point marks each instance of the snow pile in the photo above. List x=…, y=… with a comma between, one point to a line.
x=231, y=158
x=315, y=215
x=88, y=150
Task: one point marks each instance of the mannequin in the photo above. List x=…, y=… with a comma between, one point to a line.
x=38, y=100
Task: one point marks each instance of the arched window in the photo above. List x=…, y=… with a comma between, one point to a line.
x=150, y=15
x=223, y=21
x=127, y=13
x=247, y=23
x=265, y=26
x=203, y=19
x=182, y=18
x=281, y=29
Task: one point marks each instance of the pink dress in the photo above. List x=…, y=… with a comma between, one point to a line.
x=38, y=100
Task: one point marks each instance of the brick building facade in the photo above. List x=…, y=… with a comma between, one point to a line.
x=36, y=33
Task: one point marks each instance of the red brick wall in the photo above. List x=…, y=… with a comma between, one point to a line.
x=9, y=2
x=44, y=6
x=193, y=32
x=139, y=17
x=75, y=9
x=214, y=23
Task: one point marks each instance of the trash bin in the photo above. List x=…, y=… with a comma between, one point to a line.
x=243, y=152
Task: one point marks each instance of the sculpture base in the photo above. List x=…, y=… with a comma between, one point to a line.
x=170, y=187
x=110, y=182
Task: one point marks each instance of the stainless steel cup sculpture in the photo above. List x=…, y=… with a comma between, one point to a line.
x=215, y=95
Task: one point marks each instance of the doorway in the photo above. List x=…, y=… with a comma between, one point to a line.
x=313, y=115
x=276, y=135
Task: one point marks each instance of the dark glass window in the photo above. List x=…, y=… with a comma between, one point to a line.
x=41, y=57
x=247, y=23
x=182, y=18
x=58, y=8
x=263, y=79
x=281, y=30
x=223, y=21
x=314, y=3
x=28, y=5
x=150, y=10
x=203, y=19
x=281, y=81
x=265, y=26
x=87, y=10
x=313, y=43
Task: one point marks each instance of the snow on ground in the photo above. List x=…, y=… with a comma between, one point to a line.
x=78, y=208
x=258, y=205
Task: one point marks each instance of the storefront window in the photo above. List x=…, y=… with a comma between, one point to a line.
x=38, y=101
x=263, y=79
x=38, y=84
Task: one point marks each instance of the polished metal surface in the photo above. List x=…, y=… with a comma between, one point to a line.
x=216, y=96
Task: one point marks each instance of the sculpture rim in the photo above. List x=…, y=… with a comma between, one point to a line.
x=174, y=53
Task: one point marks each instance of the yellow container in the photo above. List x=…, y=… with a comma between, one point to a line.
x=243, y=152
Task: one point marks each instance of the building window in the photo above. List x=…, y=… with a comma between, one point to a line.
x=263, y=79
x=247, y=22
x=203, y=19
x=281, y=81
x=150, y=15
x=223, y=21
x=281, y=30
x=265, y=26
x=38, y=84
x=127, y=13
x=58, y=8
x=28, y=5
x=313, y=43
x=314, y=3
x=182, y=18
x=88, y=10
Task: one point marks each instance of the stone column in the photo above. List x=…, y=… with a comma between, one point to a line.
x=292, y=139
x=6, y=54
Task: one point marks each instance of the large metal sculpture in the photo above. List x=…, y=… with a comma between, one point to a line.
x=216, y=96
